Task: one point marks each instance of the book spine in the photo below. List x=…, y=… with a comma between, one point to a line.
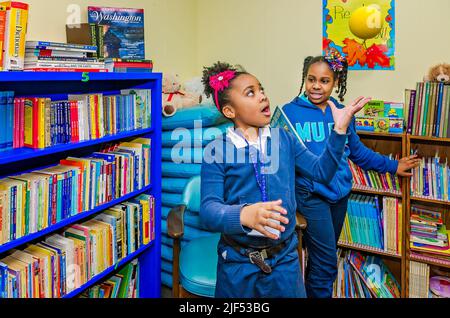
x=411, y=110
x=16, y=29
x=438, y=110
x=2, y=33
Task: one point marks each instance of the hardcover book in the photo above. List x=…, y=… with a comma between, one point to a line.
x=122, y=32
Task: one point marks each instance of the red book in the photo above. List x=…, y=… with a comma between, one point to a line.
x=133, y=65
x=81, y=70
x=22, y=122
x=97, y=130
x=16, y=141
x=74, y=124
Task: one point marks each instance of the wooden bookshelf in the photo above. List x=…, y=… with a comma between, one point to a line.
x=430, y=139
x=377, y=192
x=368, y=249
x=366, y=134
x=435, y=201
x=425, y=146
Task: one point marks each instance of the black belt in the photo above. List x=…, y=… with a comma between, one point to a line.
x=257, y=256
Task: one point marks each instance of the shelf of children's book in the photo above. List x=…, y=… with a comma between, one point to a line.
x=430, y=200
x=362, y=133
x=418, y=139
x=75, y=76
x=378, y=192
x=416, y=257
x=368, y=249
x=19, y=154
x=72, y=220
x=100, y=277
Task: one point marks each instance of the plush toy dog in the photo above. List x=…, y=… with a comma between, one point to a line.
x=439, y=73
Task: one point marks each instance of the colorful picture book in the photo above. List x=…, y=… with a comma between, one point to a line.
x=372, y=223
x=361, y=276
x=381, y=117
x=431, y=179
x=371, y=180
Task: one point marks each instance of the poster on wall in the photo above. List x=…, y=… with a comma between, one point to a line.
x=361, y=30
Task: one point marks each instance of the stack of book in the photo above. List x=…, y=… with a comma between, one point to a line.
x=39, y=123
x=372, y=180
x=119, y=65
x=63, y=262
x=61, y=57
x=431, y=180
x=428, y=233
x=357, y=277
x=371, y=226
x=381, y=117
x=428, y=108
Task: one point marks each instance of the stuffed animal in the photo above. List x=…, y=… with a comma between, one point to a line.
x=174, y=98
x=196, y=87
x=439, y=73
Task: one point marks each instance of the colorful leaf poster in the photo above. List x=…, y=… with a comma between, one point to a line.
x=361, y=30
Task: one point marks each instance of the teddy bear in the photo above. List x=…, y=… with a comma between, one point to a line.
x=439, y=73
x=174, y=97
x=195, y=86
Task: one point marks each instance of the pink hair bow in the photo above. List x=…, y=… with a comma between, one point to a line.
x=219, y=82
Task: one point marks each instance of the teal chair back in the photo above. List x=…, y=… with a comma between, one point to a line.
x=194, y=265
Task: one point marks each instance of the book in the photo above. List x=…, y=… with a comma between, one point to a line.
x=122, y=31
x=15, y=33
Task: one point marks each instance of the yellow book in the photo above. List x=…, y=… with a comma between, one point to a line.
x=3, y=209
x=95, y=248
x=93, y=117
x=106, y=242
x=16, y=30
x=44, y=256
x=145, y=221
x=400, y=227
x=28, y=126
x=389, y=181
x=41, y=126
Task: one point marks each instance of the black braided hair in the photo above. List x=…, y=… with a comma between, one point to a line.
x=219, y=67
x=340, y=76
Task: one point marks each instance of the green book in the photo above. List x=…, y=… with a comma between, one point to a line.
x=424, y=112
x=126, y=273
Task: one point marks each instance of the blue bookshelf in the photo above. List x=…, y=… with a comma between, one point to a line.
x=58, y=86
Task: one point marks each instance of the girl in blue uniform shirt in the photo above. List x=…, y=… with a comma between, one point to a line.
x=252, y=207
x=324, y=204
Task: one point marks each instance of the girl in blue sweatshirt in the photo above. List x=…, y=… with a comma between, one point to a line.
x=248, y=182
x=324, y=204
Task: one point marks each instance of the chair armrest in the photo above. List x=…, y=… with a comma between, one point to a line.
x=301, y=223
x=175, y=222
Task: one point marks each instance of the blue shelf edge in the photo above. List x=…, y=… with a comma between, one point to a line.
x=31, y=237
x=105, y=273
x=76, y=76
x=15, y=155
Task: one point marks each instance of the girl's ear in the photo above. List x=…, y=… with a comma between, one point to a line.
x=229, y=112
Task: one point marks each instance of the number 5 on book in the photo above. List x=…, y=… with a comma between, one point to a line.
x=85, y=77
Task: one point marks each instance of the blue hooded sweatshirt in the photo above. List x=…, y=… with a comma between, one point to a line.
x=313, y=127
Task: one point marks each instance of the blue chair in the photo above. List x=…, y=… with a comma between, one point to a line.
x=195, y=266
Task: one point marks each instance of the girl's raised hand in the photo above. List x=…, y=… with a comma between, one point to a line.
x=343, y=117
x=260, y=215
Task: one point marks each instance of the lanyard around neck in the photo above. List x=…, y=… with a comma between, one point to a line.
x=260, y=178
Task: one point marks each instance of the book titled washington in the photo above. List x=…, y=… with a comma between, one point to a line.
x=122, y=32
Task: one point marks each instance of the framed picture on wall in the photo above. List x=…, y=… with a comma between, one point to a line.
x=361, y=30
